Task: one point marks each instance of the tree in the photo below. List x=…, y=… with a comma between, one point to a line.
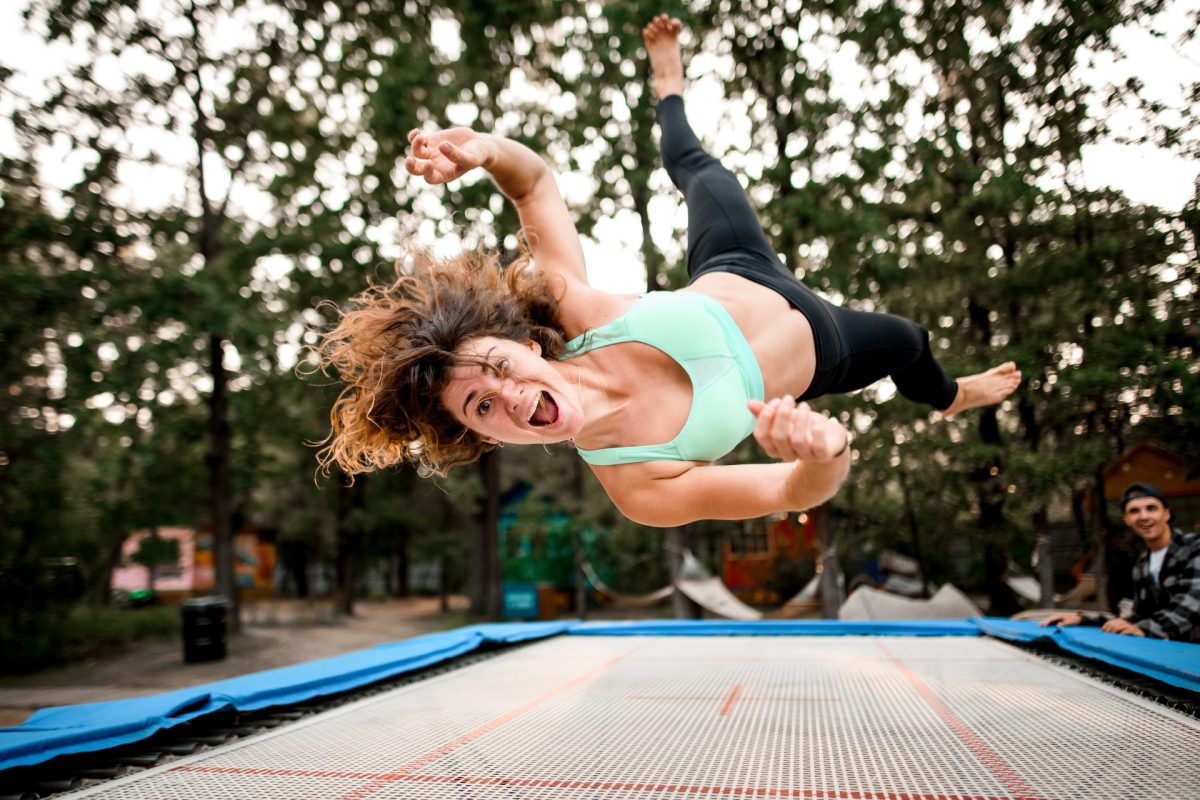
x=154, y=552
x=259, y=115
x=921, y=159
x=946, y=187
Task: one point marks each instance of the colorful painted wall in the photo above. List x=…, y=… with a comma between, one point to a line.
x=254, y=564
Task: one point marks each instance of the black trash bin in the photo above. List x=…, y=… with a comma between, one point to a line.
x=204, y=628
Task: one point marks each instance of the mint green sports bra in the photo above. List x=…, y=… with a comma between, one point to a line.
x=698, y=333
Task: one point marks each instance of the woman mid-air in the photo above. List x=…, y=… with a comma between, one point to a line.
x=458, y=356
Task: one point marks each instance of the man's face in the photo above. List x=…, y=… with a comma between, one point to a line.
x=1149, y=519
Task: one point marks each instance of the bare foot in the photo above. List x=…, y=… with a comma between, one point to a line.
x=661, y=36
x=985, y=388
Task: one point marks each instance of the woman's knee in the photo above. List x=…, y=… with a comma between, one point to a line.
x=686, y=164
x=867, y=331
x=912, y=334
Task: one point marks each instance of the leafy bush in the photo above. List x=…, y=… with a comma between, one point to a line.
x=33, y=639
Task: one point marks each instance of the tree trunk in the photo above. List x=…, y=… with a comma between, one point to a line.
x=347, y=573
x=914, y=532
x=646, y=154
x=403, y=588
x=580, y=580
x=830, y=585
x=218, y=425
x=398, y=566
x=443, y=584
x=1100, y=540
x=301, y=576
x=990, y=493
x=486, y=595
x=295, y=562
x=677, y=541
x=151, y=567
x=220, y=484
x=1045, y=557
x=1043, y=554
x=113, y=561
x=114, y=530
x=350, y=502
x=581, y=585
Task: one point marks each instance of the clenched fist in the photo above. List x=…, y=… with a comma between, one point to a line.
x=796, y=432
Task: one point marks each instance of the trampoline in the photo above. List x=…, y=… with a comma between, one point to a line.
x=893, y=717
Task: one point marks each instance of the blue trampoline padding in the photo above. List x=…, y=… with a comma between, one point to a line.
x=90, y=727
x=778, y=627
x=1174, y=663
x=99, y=726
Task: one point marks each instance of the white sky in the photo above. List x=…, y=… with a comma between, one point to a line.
x=1144, y=174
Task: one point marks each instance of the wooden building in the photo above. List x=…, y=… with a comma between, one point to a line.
x=1165, y=470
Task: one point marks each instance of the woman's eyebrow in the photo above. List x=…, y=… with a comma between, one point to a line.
x=487, y=357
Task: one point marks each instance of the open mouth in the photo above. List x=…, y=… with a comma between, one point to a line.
x=545, y=411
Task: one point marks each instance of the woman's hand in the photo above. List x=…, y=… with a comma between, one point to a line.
x=797, y=433
x=443, y=156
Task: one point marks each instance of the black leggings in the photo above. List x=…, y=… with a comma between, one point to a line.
x=853, y=348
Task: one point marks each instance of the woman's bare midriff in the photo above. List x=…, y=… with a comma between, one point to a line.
x=780, y=336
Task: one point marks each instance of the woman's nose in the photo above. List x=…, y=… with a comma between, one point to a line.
x=512, y=394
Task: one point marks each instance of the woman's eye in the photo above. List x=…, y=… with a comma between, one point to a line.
x=483, y=407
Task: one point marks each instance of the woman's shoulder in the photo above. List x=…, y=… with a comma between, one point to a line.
x=583, y=308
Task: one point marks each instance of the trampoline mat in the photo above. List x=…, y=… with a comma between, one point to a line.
x=877, y=718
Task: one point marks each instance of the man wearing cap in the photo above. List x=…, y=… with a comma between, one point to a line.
x=1166, y=579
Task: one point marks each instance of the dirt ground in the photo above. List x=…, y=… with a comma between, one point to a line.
x=275, y=634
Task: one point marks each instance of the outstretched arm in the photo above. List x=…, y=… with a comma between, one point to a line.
x=443, y=156
x=728, y=491
x=816, y=457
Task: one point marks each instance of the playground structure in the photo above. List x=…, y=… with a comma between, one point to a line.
x=192, y=572
x=865, y=603
x=704, y=589
x=542, y=546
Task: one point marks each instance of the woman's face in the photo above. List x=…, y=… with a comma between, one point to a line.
x=521, y=399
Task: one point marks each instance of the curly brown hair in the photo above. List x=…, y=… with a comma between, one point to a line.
x=395, y=346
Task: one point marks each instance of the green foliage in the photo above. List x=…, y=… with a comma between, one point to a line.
x=952, y=195
x=37, y=638
x=934, y=171
x=154, y=551
x=628, y=557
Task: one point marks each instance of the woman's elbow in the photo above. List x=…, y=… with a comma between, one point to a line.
x=809, y=486
x=828, y=491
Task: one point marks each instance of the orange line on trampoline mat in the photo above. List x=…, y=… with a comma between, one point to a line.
x=433, y=755
x=730, y=699
x=673, y=698
x=611, y=786
x=743, y=698
x=997, y=765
